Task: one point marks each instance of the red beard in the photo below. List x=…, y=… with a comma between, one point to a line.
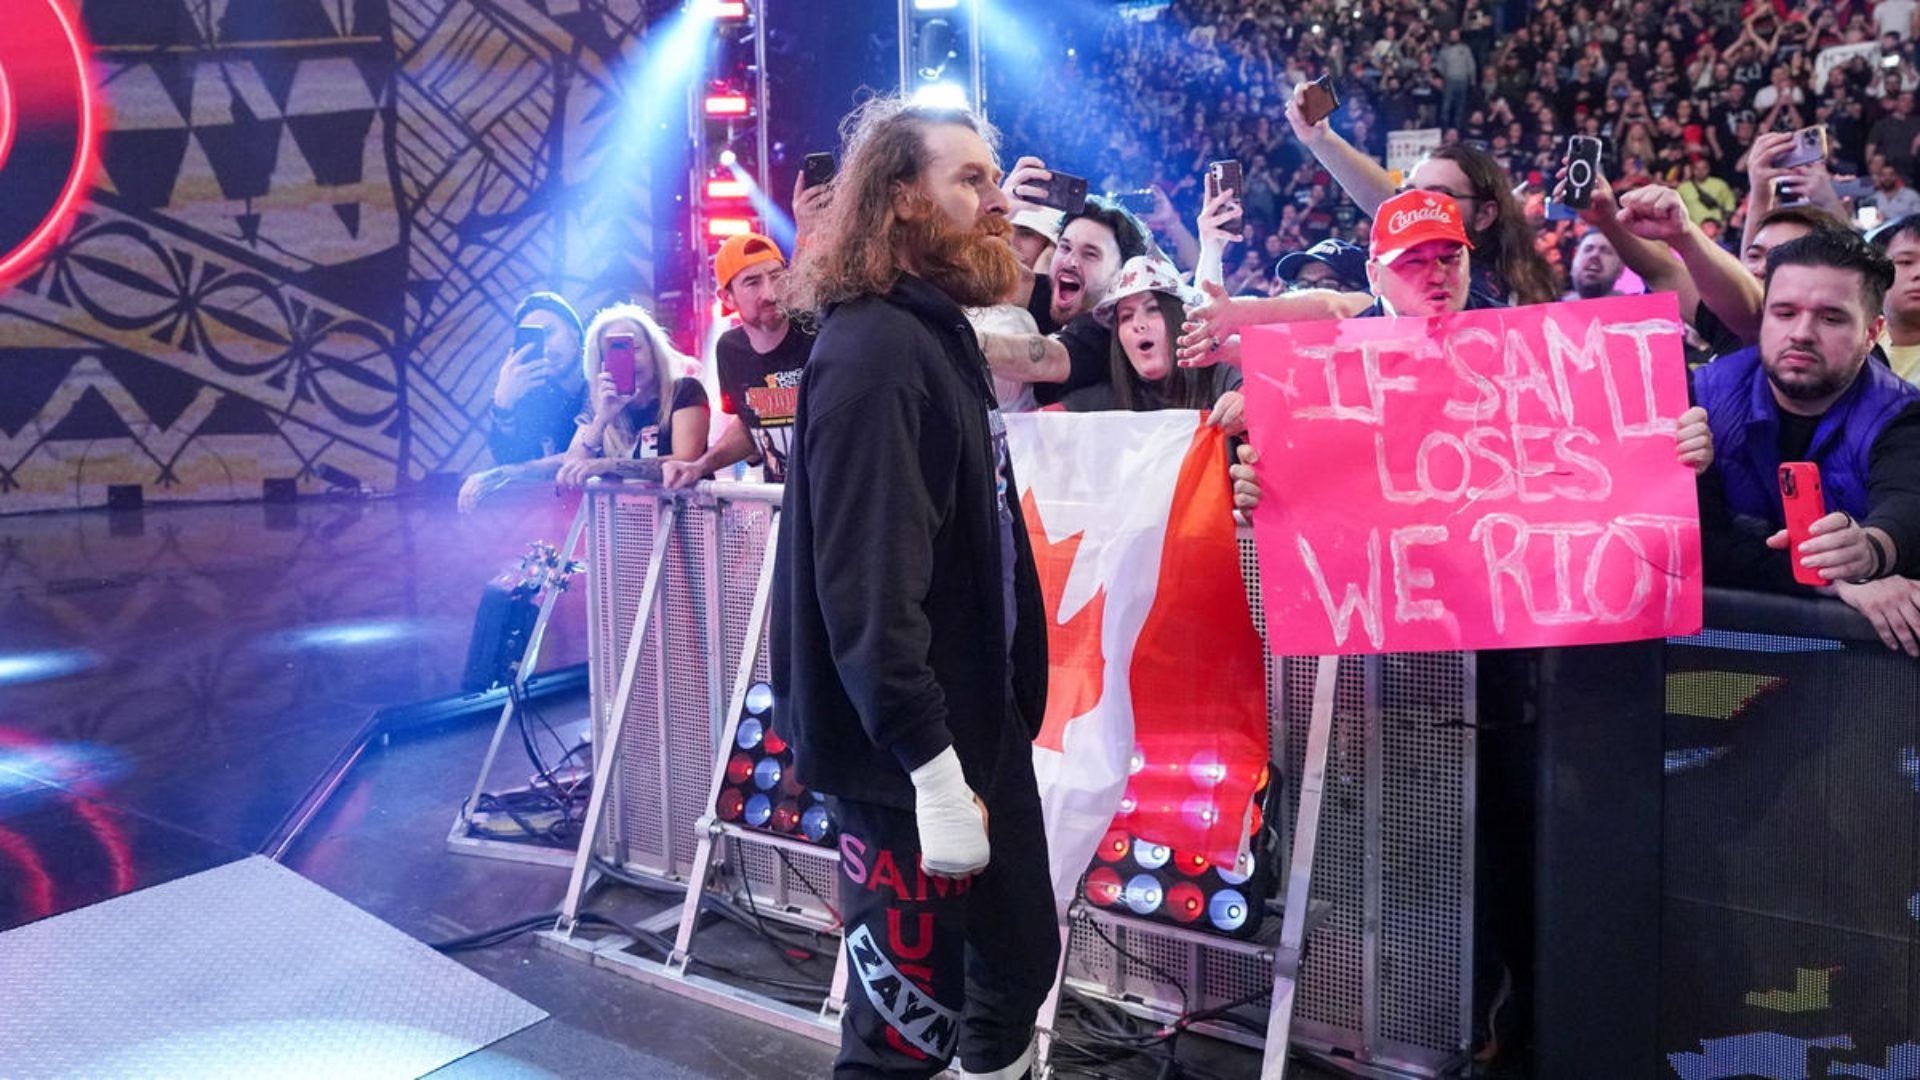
x=975, y=267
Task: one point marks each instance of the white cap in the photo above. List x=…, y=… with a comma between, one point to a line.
x=1048, y=223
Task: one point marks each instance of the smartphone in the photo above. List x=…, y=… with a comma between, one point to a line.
x=1065, y=192
x=1809, y=146
x=531, y=334
x=618, y=362
x=1226, y=176
x=817, y=169
x=1138, y=203
x=1318, y=100
x=1560, y=211
x=1583, y=169
x=1804, y=503
x=1853, y=187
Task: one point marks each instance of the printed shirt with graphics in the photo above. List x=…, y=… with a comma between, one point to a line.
x=762, y=389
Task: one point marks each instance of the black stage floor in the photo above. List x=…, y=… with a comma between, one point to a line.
x=173, y=681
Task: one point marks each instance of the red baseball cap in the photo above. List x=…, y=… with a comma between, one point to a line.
x=1412, y=218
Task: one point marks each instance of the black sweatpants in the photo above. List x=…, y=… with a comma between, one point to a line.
x=939, y=965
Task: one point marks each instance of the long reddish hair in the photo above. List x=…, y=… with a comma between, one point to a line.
x=863, y=237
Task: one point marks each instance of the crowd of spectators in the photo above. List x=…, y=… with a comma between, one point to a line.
x=1678, y=90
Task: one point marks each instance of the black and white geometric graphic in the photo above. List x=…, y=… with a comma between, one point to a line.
x=312, y=221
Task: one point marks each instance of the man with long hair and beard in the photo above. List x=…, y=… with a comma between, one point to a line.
x=909, y=642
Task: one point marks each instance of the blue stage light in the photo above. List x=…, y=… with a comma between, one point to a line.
x=1227, y=910
x=750, y=733
x=1144, y=894
x=766, y=775
x=759, y=698
x=815, y=823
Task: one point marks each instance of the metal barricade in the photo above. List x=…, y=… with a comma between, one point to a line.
x=1387, y=973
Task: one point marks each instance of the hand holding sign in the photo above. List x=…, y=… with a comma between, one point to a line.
x=1492, y=479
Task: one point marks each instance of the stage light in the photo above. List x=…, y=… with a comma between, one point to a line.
x=759, y=698
x=934, y=50
x=773, y=743
x=730, y=805
x=1103, y=887
x=750, y=733
x=724, y=9
x=739, y=767
x=935, y=5
x=1200, y=811
x=786, y=816
x=1185, y=902
x=726, y=189
x=1143, y=894
x=1114, y=847
x=1128, y=803
x=1206, y=769
x=728, y=159
x=1227, y=910
x=1192, y=864
x=1242, y=870
x=1137, y=762
x=759, y=811
x=941, y=95
x=815, y=824
x=729, y=226
x=766, y=774
x=1151, y=856
x=728, y=104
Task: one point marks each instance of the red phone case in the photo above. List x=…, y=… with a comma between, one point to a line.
x=619, y=362
x=1804, y=503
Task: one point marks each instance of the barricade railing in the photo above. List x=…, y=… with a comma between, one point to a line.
x=677, y=600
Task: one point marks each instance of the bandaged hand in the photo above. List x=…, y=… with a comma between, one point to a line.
x=951, y=818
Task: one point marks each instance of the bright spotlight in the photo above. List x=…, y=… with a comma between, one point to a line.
x=935, y=5
x=941, y=95
x=728, y=159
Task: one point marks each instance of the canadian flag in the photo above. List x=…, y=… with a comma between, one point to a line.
x=1156, y=704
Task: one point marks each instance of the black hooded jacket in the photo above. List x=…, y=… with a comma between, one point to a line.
x=888, y=626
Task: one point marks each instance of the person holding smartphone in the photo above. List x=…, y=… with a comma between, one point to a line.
x=538, y=391
x=644, y=411
x=1809, y=393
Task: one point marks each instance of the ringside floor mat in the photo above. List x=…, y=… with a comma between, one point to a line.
x=245, y=970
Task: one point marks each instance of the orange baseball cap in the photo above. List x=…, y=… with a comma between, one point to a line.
x=742, y=251
x=1412, y=218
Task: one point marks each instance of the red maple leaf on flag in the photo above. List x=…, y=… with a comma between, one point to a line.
x=1076, y=665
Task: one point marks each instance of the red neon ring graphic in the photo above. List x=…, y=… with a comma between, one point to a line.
x=46, y=45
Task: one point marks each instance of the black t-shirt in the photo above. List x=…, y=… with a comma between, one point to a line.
x=1796, y=435
x=1040, y=304
x=1720, y=340
x=539, y=424
x=641, y=417
x=1090, y=350
x=762, y=389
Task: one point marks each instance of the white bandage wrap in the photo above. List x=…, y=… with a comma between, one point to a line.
x=953, y=833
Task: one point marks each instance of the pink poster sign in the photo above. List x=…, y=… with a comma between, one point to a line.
x=1485, y=480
